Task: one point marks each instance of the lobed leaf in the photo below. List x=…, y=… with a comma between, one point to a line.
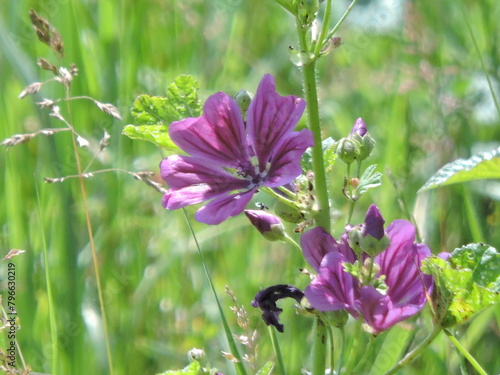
x=154, y=114
x=369, y=180
x=157, y=134
x=193, y=369
x=480, y=166
x=466, y=283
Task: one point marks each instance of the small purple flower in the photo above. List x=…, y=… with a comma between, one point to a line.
x=230, y=159
x=335, y=289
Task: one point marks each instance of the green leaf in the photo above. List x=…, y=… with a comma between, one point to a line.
x=480, y=166
x=192, y=369
x=266, y=369
x=393, y=346
x=369, y=180
x=154, y=114
x=465, y=284
x=158, y=134
x=329, y=155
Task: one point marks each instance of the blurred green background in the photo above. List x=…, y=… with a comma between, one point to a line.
x=409, y=68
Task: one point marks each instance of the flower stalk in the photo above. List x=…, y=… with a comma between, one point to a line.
x=415, y=352
x=464, y=352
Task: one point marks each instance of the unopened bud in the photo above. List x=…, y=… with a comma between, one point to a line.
x=196, y=354
x=348, y=150
x=366, y=142
x=243, y=99
x=267, y=224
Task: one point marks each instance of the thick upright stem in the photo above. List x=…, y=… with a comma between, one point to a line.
x=310, y=91
x=319, y=349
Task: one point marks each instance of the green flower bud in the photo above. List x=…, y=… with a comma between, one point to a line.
x=371, y=246
x=367, y=146
x=348, y=150
x=243, y=99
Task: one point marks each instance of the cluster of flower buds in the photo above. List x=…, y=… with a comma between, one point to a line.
x=357, y=146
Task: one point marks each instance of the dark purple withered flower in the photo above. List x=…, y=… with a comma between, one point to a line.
x=266, y=301
x=230, y=158
x=405, y=287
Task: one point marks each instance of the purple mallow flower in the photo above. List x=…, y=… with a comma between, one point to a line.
x=399, y=272
x=230, y=159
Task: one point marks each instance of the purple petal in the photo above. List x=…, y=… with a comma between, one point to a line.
x=333, y=288
x=221, y=208
x=315, y=244
x=270, y=117
x=359, y=127
x=374, y=223
x=218, y=136
x=401, y=262
x=285, y=160
x=380, y=312
x=192, y=182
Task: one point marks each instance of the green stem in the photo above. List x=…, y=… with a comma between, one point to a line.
x=481, y=60
x=319, y=348
x=342, y=350
x=323, y=215
x=366, y=355
x=324, y=29
x=465, y=353
x=332, y=342
x=279, y=197
x=292, y=242
x=355, y=345
x=415, y=352
x=50, y=299
x=277, y=351
x=341, y=20
x=240, y=369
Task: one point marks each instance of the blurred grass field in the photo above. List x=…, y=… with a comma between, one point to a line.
x=408, y=68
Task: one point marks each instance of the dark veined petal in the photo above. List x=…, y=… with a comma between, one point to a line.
x=223, y=207
x=270, y=117
x=218, y=136
x=285, y=159
x=315, y=244
x=380, y=312
x=193, y=182
x=401, y=262
x=333, y=288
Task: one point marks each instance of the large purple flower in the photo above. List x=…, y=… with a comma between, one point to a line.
x=399, y=264
x=230, y=159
